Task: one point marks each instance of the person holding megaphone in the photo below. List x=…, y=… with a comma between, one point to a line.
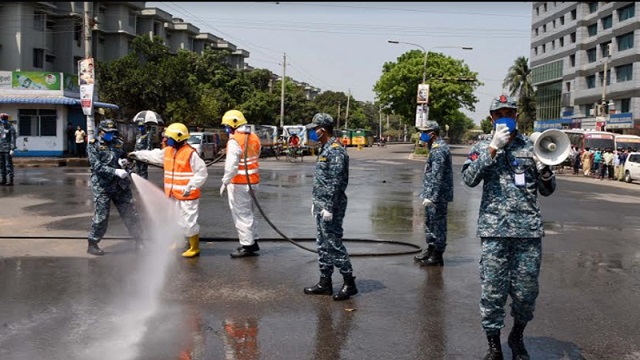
x=509, y=224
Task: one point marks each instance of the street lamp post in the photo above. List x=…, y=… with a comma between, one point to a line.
x=424, y=66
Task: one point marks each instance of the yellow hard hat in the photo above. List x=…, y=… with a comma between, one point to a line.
x=177, y=132
x=233, y=118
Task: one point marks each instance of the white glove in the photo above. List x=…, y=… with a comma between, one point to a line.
x=428, y=203
x=123, y=162
x=132, y=155
x=121, y=173
x=500, y=138
x=539, y=165
x=10, y=152
x=312, y=208
x=187, y=191
x=222, y=189
x=326, y=216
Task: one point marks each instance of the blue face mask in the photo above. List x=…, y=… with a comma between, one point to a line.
x=510, y=122
x=108, y=137
x=313, y=135
x=142, y=129
x=5, y=122
x=425, y=137
x=227, y=129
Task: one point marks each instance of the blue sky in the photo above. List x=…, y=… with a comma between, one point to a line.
x=341, y=46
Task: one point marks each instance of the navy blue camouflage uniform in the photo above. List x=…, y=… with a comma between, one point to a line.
x=143, y=142
x=437, y=186
x=510, y=227
x=106, y=186
x=7, y=144
x=329, y=193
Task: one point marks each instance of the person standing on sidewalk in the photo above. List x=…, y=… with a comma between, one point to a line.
x=509, y=225
x=110, y=182
x=7, y=147
x=437, y=193
x=80, y=135
x=328, y=207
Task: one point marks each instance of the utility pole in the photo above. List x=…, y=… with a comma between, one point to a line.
x=87, y=55
x=380, y=123
x=346, y=117
x=338, y=118
x=284, y=76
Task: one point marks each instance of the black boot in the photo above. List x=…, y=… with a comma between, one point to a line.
x=93, y=248
x=516, y=342
x=323, y=287
x=348, y=288
x=495, y=349
x=245, y=251
x=434, y=259
x=425, y=253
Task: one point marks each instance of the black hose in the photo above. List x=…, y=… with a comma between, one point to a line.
x=255, y=200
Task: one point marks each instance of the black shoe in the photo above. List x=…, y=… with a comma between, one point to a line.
x=425, y=253
x=348, y=288
x=516, y=342
x=434, y=259
x=495, y=349
x=93, y=249
x=246, y=251
x=323, y=287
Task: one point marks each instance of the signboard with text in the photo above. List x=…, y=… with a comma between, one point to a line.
x=35, y=80
x=620, y=121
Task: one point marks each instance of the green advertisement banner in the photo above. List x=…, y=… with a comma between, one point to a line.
x=35, y=80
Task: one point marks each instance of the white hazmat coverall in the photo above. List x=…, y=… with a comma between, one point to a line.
x=240, y=200
x=188, y=209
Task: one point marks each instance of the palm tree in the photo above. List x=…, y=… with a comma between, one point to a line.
x=518, y=81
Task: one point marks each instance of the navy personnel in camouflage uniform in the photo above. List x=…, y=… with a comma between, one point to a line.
x=437, y=192
x=509, y=225
x=143, y=142
x=110, y=182
x=7, y=147
x=329, y=205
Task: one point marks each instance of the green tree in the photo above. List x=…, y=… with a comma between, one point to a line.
x=518, y=81
x=451, y=82
x=486, y=125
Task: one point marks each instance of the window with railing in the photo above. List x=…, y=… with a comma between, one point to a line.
x=605, y=49
x=38, y=21
x=624, y=73
x=625, y=105
x=591, y=81
x=626, y=12
x=591, y=55
x=37, y=122
x=38, y=58
x=625, y=41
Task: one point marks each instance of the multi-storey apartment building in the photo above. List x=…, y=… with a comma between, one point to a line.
x=42, y=42
x=574, y=46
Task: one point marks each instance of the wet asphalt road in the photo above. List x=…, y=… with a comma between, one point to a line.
x=57, y=302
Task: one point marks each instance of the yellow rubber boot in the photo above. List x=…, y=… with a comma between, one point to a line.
x=194, y=247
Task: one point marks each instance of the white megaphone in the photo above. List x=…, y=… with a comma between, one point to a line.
x=551, y=146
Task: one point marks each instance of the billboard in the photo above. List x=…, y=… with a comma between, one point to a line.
x=35, y=80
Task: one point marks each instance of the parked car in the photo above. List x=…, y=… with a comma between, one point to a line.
x=632, y=167
x=205, y=143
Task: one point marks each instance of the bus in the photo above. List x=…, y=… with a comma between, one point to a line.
x=346, y=137
x=583, y=139
x=624, y=142
x=362, y=137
